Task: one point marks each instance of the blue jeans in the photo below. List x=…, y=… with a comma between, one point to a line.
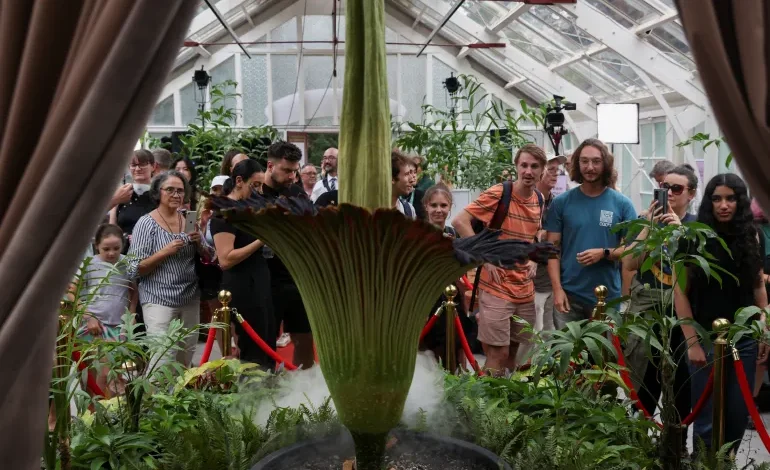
x=577, y=311
x=736, y=415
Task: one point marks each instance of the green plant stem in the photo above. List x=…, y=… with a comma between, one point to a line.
x=370, y=450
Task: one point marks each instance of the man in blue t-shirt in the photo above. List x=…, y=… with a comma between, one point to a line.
x=581, y=221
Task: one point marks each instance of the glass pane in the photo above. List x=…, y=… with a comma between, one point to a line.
x=440, y=96
x=327, y=121
x=163, y=115
x=571, y=37
x=318, y=71
x=284, y=75
x=390, y=35
x=188, y=104
x=637, y=10
x=220, y=74
x=285, y=32
x=647, y=140
x=660, y=140
x=318, y=28
x=672, y=35
x=413, y=78
x=582, y=81
x=533, y=44
x=483, y=13
x=626, y=175
x=393, y=77
x=612, y=13
x=254, y=87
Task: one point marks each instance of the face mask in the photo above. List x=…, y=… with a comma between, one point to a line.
x=140, y=189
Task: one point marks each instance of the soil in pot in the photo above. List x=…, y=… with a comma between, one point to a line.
x=407, y=451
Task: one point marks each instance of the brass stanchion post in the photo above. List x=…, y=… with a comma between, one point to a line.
x=720, y=326
x=224, y=298
x=601, y=306
x=451, y=311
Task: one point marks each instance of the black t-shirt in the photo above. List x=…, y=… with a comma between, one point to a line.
x=219, y=225
x=656, y=277
x=278, y=271
x=708, y=299
x=130, y=213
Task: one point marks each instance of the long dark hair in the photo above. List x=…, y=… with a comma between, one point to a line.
x=193, y=197
x=245, y=169
x=740, y=233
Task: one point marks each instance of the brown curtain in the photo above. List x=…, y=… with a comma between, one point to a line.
x=79, y=80
x=729, y=40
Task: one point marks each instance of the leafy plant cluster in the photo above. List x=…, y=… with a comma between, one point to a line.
x=468, y=147
x=706, y=141
x=213, y=134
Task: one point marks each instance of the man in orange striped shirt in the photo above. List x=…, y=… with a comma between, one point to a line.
x=508, y=293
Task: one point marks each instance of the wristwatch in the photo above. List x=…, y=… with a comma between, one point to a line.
x=606, y=253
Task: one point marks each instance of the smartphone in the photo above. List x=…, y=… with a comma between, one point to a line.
x=661, y=195
x=190, y=218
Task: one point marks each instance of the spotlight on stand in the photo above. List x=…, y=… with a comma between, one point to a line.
x=554, y=121
x=452, y=84
x=201, y=79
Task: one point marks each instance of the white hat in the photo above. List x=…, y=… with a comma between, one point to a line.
x=562, y=159
x=219, y=180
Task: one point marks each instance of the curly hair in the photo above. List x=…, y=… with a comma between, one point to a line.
x=740, y=232
x=282, y=150
x=609, y=175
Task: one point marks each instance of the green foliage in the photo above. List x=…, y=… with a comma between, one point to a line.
x=212, y=135
x=707, y=141
x=467, y=155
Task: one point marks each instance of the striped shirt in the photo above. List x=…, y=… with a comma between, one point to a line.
x=521, y=223
x=173, y=282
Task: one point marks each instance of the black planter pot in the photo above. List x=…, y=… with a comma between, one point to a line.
x=293, y=457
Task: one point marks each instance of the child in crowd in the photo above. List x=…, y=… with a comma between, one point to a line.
x=107, y=291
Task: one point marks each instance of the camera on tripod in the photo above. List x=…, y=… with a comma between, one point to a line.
x=553, y=123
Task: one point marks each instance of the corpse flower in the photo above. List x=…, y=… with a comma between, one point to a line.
x=368, y=276
x=368, y=281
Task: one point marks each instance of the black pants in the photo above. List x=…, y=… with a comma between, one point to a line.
x=650, y=393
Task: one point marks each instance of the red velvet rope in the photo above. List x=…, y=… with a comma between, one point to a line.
x=743, y=382
x=267, y=349
x=626, y=376
x=466, y=282
x=212, y=336
x=91, y=384
x=426, y=329
x=467, y=347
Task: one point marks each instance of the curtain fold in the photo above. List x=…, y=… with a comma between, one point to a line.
x=80, y=79
x=730, y=41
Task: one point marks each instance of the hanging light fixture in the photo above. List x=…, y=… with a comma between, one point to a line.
x=201, y=80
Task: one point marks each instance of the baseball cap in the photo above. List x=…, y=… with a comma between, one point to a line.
x=219, y=180
x=562, y=159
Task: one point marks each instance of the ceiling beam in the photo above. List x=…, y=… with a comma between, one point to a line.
x=636, y=51
x=594, y=49
x=512, y=15
x=227, y=26
x=514, y=83
x=464, y=52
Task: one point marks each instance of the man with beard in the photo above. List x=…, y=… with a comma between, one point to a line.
x=581, y=220
x=329, y=181
x=507, y=293
x=282, y=165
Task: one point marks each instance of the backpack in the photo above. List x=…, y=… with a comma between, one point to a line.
x=501, y=211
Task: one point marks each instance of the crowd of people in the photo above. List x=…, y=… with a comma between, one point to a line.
x=148, y=233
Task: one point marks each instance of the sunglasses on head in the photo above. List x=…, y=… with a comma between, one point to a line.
x=676, y=189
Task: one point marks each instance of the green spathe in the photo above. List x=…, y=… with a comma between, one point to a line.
x=364, y=161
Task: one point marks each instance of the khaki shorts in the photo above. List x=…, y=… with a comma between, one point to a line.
x=496, y=325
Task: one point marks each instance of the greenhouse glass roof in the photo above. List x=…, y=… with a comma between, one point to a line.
x=590, y=51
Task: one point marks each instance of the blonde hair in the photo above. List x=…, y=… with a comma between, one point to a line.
x=439, y=188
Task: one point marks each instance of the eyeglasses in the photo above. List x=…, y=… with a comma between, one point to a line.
x=309, y=174
x=134, y=166
x=174, y=191
x=676, y=189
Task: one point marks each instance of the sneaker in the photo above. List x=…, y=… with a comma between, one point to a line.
x=283, y=341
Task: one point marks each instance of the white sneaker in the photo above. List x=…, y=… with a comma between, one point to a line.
x=283, y=341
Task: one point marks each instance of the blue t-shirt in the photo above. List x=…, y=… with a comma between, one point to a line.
x=586, y=222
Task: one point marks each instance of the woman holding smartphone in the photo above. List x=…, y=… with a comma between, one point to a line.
x=164, y=259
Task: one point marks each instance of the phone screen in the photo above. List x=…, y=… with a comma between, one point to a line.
x=189, y=221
